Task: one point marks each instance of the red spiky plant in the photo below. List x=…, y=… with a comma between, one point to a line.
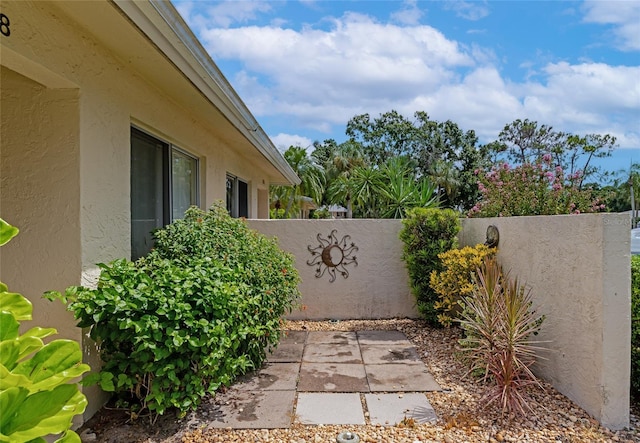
x=498, y=323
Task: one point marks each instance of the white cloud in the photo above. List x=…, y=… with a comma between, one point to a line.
x=583, y=95
x=358, y=57
x=284, y=141
x=321, y=78
x=410, y=14
x=225, y=13
x=472, y=10
x=624, y=16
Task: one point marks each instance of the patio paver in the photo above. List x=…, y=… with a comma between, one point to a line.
x=320, y=408
x=253, y=409
x=322, y=377
x=405, y=377
x=391, y=409
x=332, y=377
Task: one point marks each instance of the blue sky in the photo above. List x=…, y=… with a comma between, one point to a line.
x=304, y=68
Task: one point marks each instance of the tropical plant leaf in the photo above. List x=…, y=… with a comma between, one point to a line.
x=7, y=232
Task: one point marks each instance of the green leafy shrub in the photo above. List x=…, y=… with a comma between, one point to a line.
x=427, y=232
x=196, y=312
x=37, y=397
x=456, y=279
x=499, y=322
x=635, y=326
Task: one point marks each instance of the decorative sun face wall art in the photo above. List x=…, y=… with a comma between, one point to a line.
x=332, y=255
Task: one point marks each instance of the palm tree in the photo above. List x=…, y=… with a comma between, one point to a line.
x=341, y=163
x=311, y=186
x=444, y=176
x=401, y=190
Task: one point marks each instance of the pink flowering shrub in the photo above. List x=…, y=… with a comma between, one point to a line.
x=532, y=189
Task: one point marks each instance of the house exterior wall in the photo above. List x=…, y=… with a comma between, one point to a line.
x=68, y=103
x=577, y=266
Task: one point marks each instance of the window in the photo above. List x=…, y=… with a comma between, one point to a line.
x=164, y=183
x=237, y=197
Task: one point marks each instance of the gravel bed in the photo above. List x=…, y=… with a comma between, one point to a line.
x=462, y=418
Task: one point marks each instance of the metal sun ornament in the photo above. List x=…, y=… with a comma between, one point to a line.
x=333, y=255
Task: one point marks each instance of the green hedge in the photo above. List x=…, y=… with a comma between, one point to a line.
x=195, y=313
x=427, y=232
x=635, y=326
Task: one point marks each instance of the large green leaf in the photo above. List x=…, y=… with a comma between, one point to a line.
x=11, y=380
x=8, y=326
x=57, y=362
x=42, y=413
x=16, y=304
x=10, y=402
x=69, y=437
x=7, y=232
x=9, y=353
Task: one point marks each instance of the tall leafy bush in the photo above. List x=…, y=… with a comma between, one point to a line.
x=427, y=232
x=37, y=395
x=498, y=322
x=196, y=312
x=635, y=326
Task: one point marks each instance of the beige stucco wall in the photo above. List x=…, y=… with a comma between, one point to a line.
x=578, y=268
x=68, y=103
x=378, y=287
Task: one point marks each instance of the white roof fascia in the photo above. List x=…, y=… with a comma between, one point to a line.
x=164, y=26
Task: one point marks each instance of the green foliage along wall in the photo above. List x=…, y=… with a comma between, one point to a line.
x=425, y=234
x=196, y=312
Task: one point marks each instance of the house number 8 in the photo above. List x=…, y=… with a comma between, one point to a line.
x=4, y=25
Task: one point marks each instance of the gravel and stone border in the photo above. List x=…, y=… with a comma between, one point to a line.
x=461, y=416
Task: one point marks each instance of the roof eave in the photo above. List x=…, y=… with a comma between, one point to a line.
x=168, y=31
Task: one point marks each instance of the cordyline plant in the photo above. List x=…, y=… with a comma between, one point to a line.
x=532, y=189
x=499, y=322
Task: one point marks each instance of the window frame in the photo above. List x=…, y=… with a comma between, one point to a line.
x=234, y=203
x=167, y=172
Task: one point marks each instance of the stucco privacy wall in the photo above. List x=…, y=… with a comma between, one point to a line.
x=378, y=287
x=578, y=268
x=68, y=103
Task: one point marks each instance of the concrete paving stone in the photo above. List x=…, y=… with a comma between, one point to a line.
x=391, y=409
x=380, y=354
x=336, y=377
x=271, y=377
x=293, y=337
x=405, y=377
x=380, y=337
x=253, y=409
x=332, y=337
x=332, y=353
x=286, y=353
x=329, y=409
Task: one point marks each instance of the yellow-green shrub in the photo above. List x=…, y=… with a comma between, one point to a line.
x=455, y=280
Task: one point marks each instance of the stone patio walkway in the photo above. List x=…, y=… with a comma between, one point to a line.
x=367, y=377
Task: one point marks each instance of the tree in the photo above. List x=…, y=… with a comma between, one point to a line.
x=526, y=142
x=338, y=160
x=382, y=138
x=618, y=193
x=401, y=190
x=312, y=182
x=429, y=144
